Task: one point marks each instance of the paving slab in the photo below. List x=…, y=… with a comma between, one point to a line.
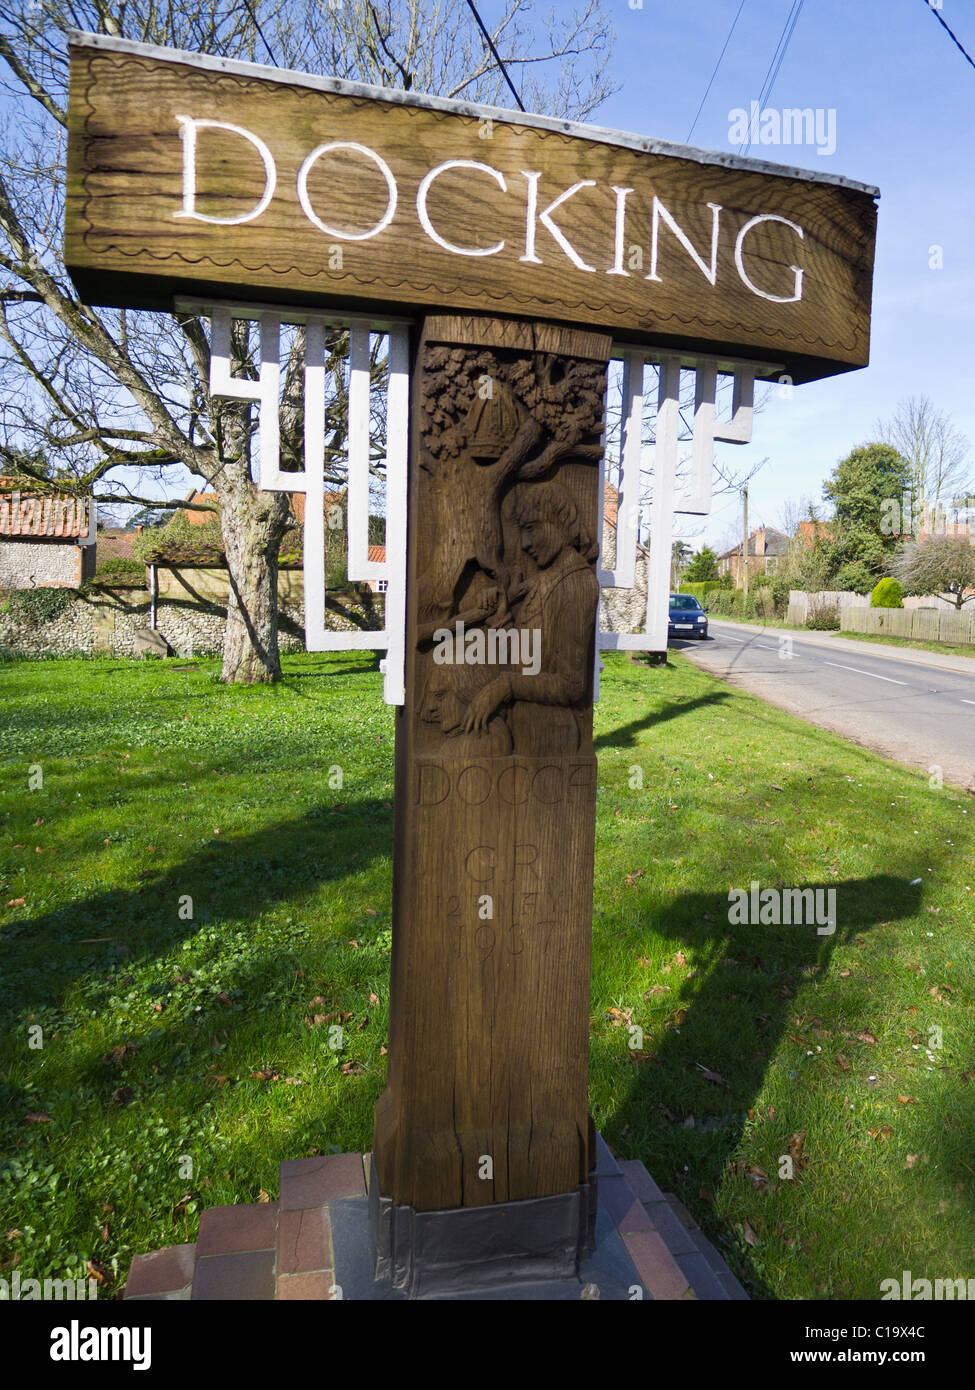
x=313, y=1182
x=231, y=1230
x=168, y=1271
x=304, y=1241
x=245, y=1276
x=701, y=1277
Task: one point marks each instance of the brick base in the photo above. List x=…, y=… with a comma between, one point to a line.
x=648, y=1246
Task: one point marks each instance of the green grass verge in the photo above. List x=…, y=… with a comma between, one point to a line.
x=908, y=642
x=184, y=1058
x=758, y=622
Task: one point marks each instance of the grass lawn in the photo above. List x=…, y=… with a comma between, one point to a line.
x=184, y=1056
x=908, y=642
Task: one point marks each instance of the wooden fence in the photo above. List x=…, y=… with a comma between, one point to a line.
x=946, y=625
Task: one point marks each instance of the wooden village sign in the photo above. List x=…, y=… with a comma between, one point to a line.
x=510, y=258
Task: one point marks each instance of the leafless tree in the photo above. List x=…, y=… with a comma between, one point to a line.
x=940, y=565
x=936, y=451
x=116, y=403
x=792, y=514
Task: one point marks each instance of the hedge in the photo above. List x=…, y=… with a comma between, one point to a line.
x=700, y=589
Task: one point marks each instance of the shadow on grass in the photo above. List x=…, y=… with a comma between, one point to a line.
x=331, y=669
x=730, y=1019
x=229, y=881
x=624, y=736
x=244, y=996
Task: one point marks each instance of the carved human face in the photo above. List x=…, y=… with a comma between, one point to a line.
x=543, y=541
x=441, y=706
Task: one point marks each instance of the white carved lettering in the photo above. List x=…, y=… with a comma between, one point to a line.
x=309, y=211
x=660, y=213
x=424, y=216
x=533, y=216
x=619, y=247
x=796, y=270
x=187, y=133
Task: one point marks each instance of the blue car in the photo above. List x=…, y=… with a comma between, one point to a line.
x=687, y=617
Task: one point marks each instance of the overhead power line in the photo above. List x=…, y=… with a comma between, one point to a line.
x=778, y=58
x=954, y=40
x=257, y=26
x=788, y=40
x=734, y=25
x=497, y=56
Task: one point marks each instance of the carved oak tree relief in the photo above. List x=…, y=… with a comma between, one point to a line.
x=507, y=591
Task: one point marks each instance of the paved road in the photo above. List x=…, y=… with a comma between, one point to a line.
x=917, y=713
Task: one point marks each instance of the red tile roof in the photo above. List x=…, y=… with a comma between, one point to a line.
x=36, y=515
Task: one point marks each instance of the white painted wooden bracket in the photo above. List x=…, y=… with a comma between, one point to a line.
x=695, y=499
x=264, y=391
x=623, y=575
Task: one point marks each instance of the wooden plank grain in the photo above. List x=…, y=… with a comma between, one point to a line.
x=317, y=195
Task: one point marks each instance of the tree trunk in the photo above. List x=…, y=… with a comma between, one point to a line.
x=253, y=524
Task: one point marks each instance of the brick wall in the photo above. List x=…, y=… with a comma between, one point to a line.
x=624, y=610
x=106, y=619
x=40, y=564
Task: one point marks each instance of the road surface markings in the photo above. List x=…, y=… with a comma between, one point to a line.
x=968, y=702
x=840, y=667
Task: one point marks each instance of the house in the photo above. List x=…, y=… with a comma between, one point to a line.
x=194, y=501
x=200, y=518
x=767, y=548
x=810, y=532
x=377, y=556
x=47, y=539
x=115, y=543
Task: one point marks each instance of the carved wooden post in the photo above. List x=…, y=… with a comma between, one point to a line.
x=484, y=1120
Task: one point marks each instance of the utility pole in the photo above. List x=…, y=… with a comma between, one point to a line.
x=744, y=544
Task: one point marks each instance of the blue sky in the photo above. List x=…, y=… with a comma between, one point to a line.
x=905, y=121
